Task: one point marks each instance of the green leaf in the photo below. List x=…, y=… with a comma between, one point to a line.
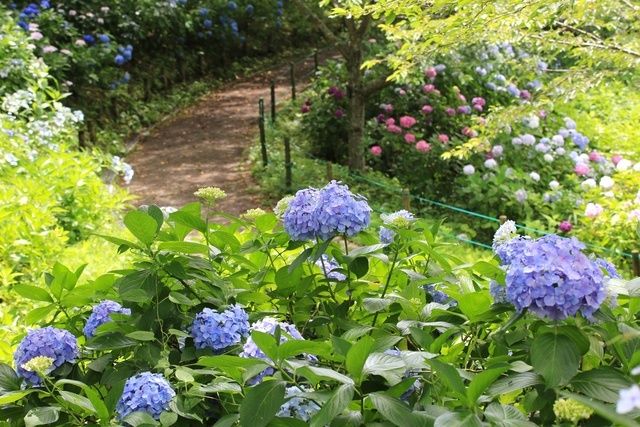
x=41, y=416
x=227, y=420
x=315, y=374
x=141, y=225
x=514, y=382
x=98, y=402
x=141, y=336
x=14, y=396
x=168, y=418
x=9, y=380
x=261, y=403
x=359, y=266
x=267, y=343
x=374, y=305
x=449, y=376
x=365, y=250
x=457, y=419
x=139, y=418
x=602, y=384
x=389, y=367
x=38, y=314
x=178, y=298
x=77, y=401
x=156, y=213
x=63, y=278
x=556, y=357
x=473, y=305
x=395, y=411
x=295, y=347
x=357, y=356
x=334, y=406
x=33, y=293
x=482, y=381
x=224, y=361
x=184, y=247
x=506, y=416
x=304, y=255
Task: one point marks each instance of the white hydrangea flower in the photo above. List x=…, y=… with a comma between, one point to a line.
x=505, y=232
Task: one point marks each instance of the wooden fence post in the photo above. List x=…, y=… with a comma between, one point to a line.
x=263, y=137
x=315, y=60
x=273, y=101
x=287, y=164
x=292, y=75
x=635, y=259
x=406, y=199
x=329, y=171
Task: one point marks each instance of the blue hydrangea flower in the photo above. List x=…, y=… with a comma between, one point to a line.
x=89, y=39
x=101, y=314
x=268, y=325
x=103, y=38
x=325, y=213
x=207, y=23
x=439, y=296
x=297, y=406
x=551, y=277
x=331, y=267
x=232, y=6
x=609, y=268
x=119, y=59
x=218, y=331
x=57, y=344
x=145, y=392
x=386, y=235
x=249, y=9
x=498, y=292
x=513, y=90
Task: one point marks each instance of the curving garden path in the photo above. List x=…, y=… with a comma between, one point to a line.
x=206, y=144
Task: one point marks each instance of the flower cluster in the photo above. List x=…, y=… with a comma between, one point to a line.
x=210, y=194
x=571, y=410
x=629, y=400
x=331, y=268
x=551, y=277
x=297, y=406
x=325, y=213
x=145, y=392
x=57, y=344
x=438, y=296
x=218, y=331
x=101, y=314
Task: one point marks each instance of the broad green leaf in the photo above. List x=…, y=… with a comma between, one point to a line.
x=168, y=418
x=449, y=376
x=395, y=411
x=42, y=416
x=602, y=384
x=267, y=343
x=77, y=401
x=14, y=396
x=178, y=298
x=357, y=355
x=473, y=305
x=295, y=347
x=184, y=247
x=506, y=416
x=304, y=256
x=141, y=335
x=38, y=314
x=374, y=305
x=98, y=403
x=9, y=380
x=389, y=367
x=457, y=419
x=33, y=292
x=556, y=357
x=315, y=374
x=142, y=226
x=227, y=420
x=334, y=406
x=156, y=213
x=139, y=418
x=261, y=403
x=514, y=382
x=482, y=381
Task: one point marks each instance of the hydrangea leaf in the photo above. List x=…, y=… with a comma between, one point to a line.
x=556, y=357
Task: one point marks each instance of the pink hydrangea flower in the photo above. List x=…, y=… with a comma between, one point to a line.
x=376, y=150
x=431, y=72
x=462, y=98
x=444, y=138
x=593, y=210
x=478, y=107
x=339, y=113
x=565, y=226
x=407, y=122
x=469, y=133
x=478, y=100
x=450, y=111
x=390, y=121
x=616, y=158
x=581, y=169
x=409, y=138
x=423, y=146
x=594, y=156
x=305, y=108
x=428, y=88
x=36, y=35
x=427, y=109
x=394, y=129
x=49, y=49
x=525, y=94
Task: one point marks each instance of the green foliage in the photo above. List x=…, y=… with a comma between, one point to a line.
x=377, y=348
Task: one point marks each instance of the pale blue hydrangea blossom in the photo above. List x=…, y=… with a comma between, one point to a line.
x=145, y=392
x=297, y=406
x=217, y=331
x=331, y=267
x=628, y=400
x=57, y=344
x=101, y=314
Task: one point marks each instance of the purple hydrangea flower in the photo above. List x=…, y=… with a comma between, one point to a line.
x=386, y=235
x=57, y=344
x=325, y=213
x=268, y=325
x=101, y=314
x=609, y=268
x=439, y=296
x=145, y=392
x=331, y=267
x=551, y=277
x=498, y=292
x=297, y=406
x=218, y=331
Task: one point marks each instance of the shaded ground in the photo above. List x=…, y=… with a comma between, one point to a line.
x=206, y=144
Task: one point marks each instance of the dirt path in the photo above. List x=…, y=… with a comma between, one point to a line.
x=206, y=144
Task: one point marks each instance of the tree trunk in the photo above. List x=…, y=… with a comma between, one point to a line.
x=355, y=132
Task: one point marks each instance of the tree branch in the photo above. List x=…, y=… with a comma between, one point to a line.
x=376, y=85
x=323, y=27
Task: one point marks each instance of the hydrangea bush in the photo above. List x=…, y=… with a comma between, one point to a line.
x=409, y=334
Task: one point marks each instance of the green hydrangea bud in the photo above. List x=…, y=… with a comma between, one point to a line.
x=210, y=194
x=282, y=205
x=252, y=214
x=571, y=410
x=39, y=364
